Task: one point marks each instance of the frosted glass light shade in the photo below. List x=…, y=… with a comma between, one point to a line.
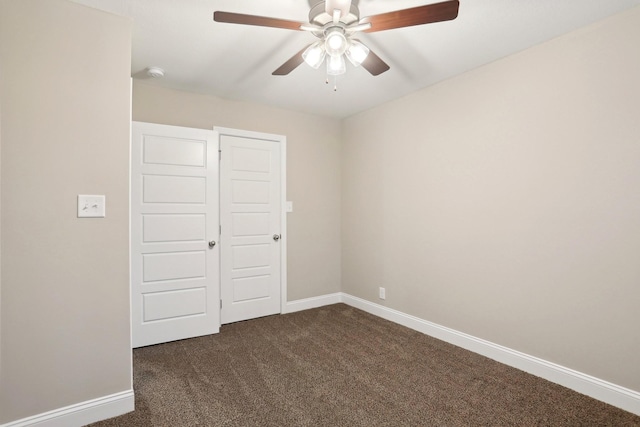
x=335, y=42
x=356, y=52
x=336, y=65
x=314, y=54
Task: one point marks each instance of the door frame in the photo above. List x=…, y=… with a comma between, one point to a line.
x=282, y=140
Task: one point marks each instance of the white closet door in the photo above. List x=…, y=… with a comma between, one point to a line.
x=174, y=232
x=251, y=219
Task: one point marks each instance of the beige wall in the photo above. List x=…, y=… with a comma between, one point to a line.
x=504, y=203
x=501, y=203
x=313, y=173
x=1, y=44
x=65, y=131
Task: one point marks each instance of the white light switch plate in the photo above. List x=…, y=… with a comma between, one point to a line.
x=91, y=206
x=289, y=206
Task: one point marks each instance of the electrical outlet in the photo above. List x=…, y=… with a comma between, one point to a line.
x=382, y=293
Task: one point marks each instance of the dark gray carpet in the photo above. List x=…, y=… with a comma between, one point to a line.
x=339, y=366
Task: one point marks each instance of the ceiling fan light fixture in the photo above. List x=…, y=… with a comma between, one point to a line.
x=314, y=55
x=336, y=65
x=335, y=42
x=356, y=53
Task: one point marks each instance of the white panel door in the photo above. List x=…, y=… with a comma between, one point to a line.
x=251, y=194
x=175, y=271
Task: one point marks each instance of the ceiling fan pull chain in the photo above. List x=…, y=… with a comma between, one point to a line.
x=335, y=82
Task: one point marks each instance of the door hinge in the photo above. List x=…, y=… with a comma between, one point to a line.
x=219, y=154
x=220, y=303
x=220, y=230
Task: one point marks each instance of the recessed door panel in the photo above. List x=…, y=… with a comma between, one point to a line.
x=251, y=224
x=244, y=191
x=173, y=228
x=174, y=304
x=250, y=256
x=250, y=159
x=251, y=288
x=173, y=189
x=173, y=266
x=161, y=150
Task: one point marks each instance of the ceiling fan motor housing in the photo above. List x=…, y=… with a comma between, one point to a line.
x=318, y=15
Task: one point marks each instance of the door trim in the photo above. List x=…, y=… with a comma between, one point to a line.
x=283, y=198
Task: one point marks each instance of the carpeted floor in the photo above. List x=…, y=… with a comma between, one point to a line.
x=339, y=366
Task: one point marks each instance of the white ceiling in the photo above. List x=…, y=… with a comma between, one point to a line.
x=236, y=61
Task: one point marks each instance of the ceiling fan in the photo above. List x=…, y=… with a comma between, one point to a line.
x=334, y=23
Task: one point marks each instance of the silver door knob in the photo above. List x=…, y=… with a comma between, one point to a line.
x=212, y=244
x=276, y=237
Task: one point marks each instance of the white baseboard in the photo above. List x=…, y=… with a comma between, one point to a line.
x=82, y=413
x=308, y=303
x=613, y=394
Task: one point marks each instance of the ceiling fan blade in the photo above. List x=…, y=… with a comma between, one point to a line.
x=261, y=21
x=342, y=5
x=374, y=64
x=437, y=12
x=291, y=64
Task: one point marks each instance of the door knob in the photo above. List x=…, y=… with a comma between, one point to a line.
x=276, y=237
x=212, y=244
